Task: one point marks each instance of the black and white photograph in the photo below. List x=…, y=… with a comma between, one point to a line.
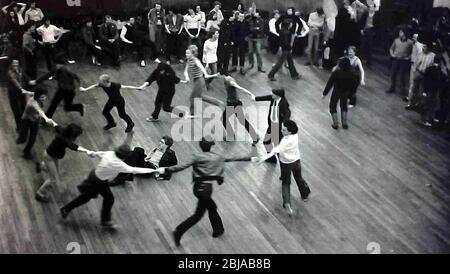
x=229, y=128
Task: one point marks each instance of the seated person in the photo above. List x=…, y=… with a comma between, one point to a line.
x=160, y=156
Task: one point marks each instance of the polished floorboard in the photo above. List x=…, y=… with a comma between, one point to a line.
x=383, y=181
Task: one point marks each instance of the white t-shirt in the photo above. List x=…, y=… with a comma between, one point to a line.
x=192, y=22
x=48, y=33
x=210, y=51
x=288, y=150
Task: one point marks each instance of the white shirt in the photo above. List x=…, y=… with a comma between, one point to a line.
x=155, y=157
x=110, y=166
x=48, y=33
x=288, y=150
x=212, y=24
x=34, y=15
x=315, y=21
x=272, y=27
x=202, y=16
x=274, y=114
x=417, y=52
x=192, y=22
x=210, y=51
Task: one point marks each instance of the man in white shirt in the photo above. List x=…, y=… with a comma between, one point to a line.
x=416, y=54
x=110, y=166
x=289, y=156
x=273, y=40
x=50, y=36
x=316, y=22
x=33, y=14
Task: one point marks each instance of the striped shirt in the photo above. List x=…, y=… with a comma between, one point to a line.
x=193, y=68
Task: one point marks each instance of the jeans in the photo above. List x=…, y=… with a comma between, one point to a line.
x=49, y=53
x=335, y=97
x=238, y=53
x=197, y=93
x=164, y=100
x=296, y=170
x=30, y=65
x=255, y=48
x=224, y=55
x=17, y=103
x=313, y=46
x=173, y=45
x=53, y=175
x=203, y=192
x=399, y=66
x=413, y=95
x=28, y=130
x=285, y=55
x=63, y=95
x=120, y=105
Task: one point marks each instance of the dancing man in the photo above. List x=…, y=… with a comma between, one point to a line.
x=111, y=164
x=115, y=99
x=207, y=168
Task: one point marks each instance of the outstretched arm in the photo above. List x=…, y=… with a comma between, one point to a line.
x=131, y=87
x=202, y=68
x=88, y=88
x=236, y=85
x=186, y=73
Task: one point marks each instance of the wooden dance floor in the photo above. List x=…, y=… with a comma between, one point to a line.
x=384, y=181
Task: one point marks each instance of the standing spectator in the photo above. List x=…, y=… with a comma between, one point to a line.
x=210, y=54
x=50, y=36
x=240, y=32
x=274, y=37
x=416, y=54
x=433, y=82
x=156, y=17
x=368, y=34
x=33, y=14
x=346, y=28
x=109, y=40
x=400, y=51
x=287, y=32
x=212, y=21
x=90, y=40
x=255, y=37
x=15, y=15
x=202, y=15
x=216, y=9
x=174, y=27
x=361, y=11
x=225, y=46
x=316, y=23
x=426, y=60
x=192, y=25
x=29, y=50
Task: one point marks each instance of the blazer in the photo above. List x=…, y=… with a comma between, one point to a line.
x=284, y=113
x=341, y=81
x=152, y=16
x=168, y=159
x=178, y=24
x=103, y=32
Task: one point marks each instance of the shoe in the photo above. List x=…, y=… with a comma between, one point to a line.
x=71, y=61
x=255, y=142
x=151, y=119
x=427, y=124
x=176, y=238
x=108, y=224
x=351, y=106
x=405, y=99
x=335, y=124
x=307, y=196
x=296, y=77
x=39, y=166
x=28, y=156
x=289, y=209
x=82, y=111
x=308, y=64
x=168, y=62
x=261, y=70
x=242, y=71
x=93, y=60
x=98, y=64
x=109, y=126
x=409, y=107
x=157, y=61
x=271, y=78
x=129, y=127
x=64, y=213
x=233, y=69
x=389, y=91
x=142, y=63
x=218, y=234
x=181, y=61
x=41, y=198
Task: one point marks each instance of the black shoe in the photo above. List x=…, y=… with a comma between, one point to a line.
x=242, y=72
x=108, y=225
x=334, y=126
x=64, y=213
x=176, y=238
x=218, y=233
x=271, y=78
x=109, y=126
x=129, y=127
x=261, y=70
x=20, y=142
x=344, y=126
x=39, y=167
x=28, y=156
x=234, y=69
x=296, y=77
x=409, y=107
x=82, y=111
x=41, y=198
x=405, y=99
x=389, y=91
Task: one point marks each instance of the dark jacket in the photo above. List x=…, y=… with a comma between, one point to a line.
x=178, y=24
x=256, y=27
x=226, y=32
x=240, y=32
x=108, y=31
x=341, y=82
x=433, y=80
x=66, y=79
x=284, y=113
x=88, y=35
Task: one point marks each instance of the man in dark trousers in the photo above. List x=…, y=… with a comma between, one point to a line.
x=90, y=40
x=240, y=44
x=111, y=164
x=278, y=113
x=66, y=89
x=207, y=168
x=109, y=39
x=255, y=37
x=29, y=50
x=115, y=100
x=225, y=46
x=166, y=78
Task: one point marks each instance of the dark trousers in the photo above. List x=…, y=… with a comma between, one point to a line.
x=17, y=104
x=112, y=50
x=224, y=55
x=93, y=51
x=239, y=53
x=30, y=65
x=274, y=43
x=120, y=105
x=286, y=55
x=63, y=95
x=236, y=109
x=273, y=136
x=95, y=187
x=173, y=45
x=49, y=53
x=255, y=49
x=401, y=67
x=164, y=100
x=342, y=98
x=354, y=89
x=296, y=170
x=203, y=193
x=367, y=44
x=143, y=42
x=28, y=129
